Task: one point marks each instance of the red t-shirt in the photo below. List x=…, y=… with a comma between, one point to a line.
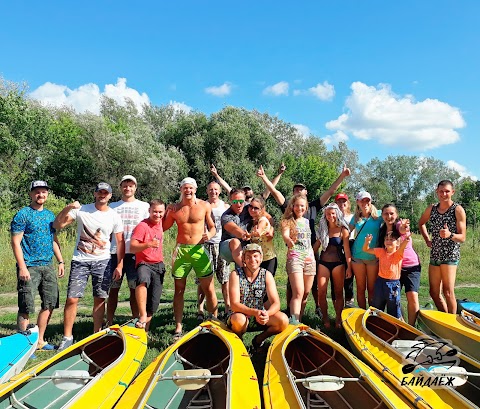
x=144, y=232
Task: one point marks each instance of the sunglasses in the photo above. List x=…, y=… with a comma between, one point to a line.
x=238, y=201
x=255, y=208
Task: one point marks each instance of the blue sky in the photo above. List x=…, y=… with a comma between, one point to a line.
x=389, y=78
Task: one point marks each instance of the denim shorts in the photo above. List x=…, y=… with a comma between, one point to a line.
x=437, y=263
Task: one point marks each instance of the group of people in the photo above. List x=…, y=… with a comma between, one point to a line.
x=126, y=238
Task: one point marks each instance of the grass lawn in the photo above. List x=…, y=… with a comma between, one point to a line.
x=163, y=325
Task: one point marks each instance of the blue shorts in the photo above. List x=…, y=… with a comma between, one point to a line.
x=410, y=278
x=80, y=271
x=387, y=293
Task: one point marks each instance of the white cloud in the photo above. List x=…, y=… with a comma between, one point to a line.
x=220, y=91
x=303, y=130
x=376, y=113
x=87, y=97
x=280, y=88
x=334, y=139
x=462, y=170
x=181, y=107
x=324, y=92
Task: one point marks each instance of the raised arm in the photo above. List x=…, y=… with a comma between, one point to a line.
x=221, y=182
x=422, y=225
x=275, y=180
x=404, y=243
x=279, y=198
x=63, y=219
x=366, y=245
x=325, y=197
x=169, y=219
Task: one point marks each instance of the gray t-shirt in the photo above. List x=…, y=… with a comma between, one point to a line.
x=242, y=220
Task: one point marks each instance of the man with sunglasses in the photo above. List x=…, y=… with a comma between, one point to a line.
x=236, y=223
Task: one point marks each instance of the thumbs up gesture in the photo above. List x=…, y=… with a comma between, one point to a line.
x=445, y=233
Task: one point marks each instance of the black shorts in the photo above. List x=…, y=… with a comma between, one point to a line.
x=152, y=275
x=410, y=278
x=270, y=265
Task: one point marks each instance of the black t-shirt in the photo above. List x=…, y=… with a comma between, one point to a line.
x=314, y=207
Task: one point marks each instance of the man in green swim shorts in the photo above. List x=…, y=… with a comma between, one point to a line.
x=195, y=226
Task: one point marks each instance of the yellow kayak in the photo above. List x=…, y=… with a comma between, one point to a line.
x=453, y=328
x=307, y=369
x=208, y=366
x=92, y=373
x=414, y=363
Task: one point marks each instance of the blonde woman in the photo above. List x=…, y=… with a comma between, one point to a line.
x=300, y=266
x=367, y=220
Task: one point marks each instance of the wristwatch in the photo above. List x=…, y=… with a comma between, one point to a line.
x=451, y=236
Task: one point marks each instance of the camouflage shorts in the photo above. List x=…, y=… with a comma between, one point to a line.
x=219, y=265
x=101, y=278
x=42, y=279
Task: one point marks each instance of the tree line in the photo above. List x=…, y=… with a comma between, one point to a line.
x=161, y=145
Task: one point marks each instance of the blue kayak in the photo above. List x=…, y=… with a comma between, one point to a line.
x=15, y=351
x=471, y=306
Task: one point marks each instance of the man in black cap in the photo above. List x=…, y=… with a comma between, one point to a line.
x=34, y=243
x=96, y=222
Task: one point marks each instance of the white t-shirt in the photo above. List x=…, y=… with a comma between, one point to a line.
x=94, y=229
x=217, y=218
x=131, y=214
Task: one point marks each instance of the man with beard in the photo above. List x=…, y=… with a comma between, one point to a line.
x=34, y=243
x=96, y=222
x=195, y=226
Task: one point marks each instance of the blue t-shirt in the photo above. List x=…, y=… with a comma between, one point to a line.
x=38, y=232
x=370, y=226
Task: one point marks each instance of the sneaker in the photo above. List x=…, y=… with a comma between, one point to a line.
x=256, y=347
x=66, y=342
x=349, y=304
x=45, y=346
x=318, y=311
x=293, y=321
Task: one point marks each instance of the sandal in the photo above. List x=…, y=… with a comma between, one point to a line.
x=140, y=324
x=177, y=335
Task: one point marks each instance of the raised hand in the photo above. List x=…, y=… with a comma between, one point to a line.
x=445, y=232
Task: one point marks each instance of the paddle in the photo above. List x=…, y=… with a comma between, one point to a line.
x=68, y=380
x=325, y=383
x=408, y=368
x=461, y=375
x=190, y=379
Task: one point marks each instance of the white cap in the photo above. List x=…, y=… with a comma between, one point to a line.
x=363, y=195
x=129, y=177
x=190, y=181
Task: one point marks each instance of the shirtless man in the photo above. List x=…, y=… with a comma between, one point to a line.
x=195, y=226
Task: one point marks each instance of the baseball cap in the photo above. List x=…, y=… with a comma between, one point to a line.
x=129, y=177
x=253, y=247
x=299, y=185
x=38, y=183
x=247, y=187
x=190, y=181
x=363, y=195
x=341, y=196
x=103, y=186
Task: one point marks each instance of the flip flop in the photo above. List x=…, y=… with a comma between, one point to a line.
x=140, y=324
x=177, y=335
x=45, y=346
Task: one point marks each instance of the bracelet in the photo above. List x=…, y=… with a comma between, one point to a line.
x=61, y=262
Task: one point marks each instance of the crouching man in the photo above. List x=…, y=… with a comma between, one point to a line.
x=254, y=297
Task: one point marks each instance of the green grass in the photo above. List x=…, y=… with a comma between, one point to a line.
x=163, y=325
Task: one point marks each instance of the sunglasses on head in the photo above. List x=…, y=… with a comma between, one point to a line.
x=238, y=201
